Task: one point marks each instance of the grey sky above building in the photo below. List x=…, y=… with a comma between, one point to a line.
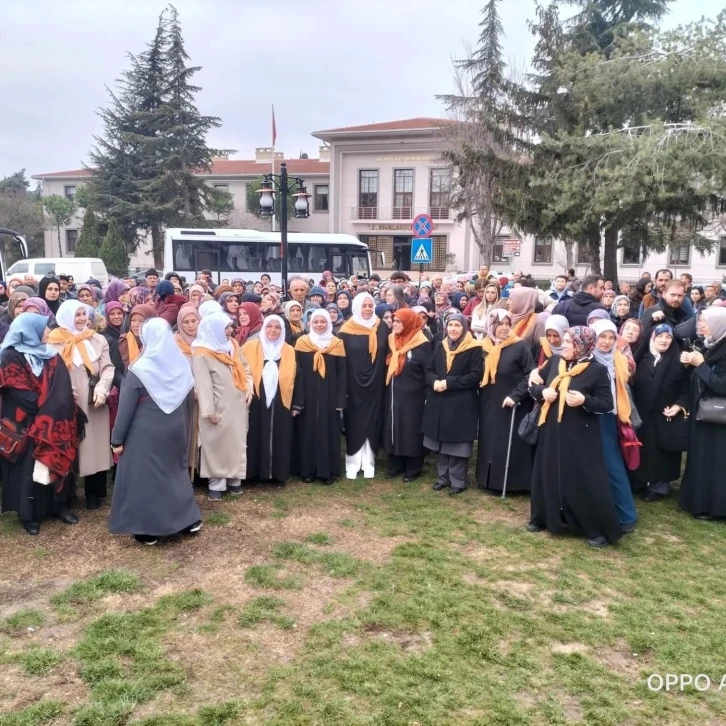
x=322, y=63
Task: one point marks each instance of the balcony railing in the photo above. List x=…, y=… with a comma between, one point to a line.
x=387, y=214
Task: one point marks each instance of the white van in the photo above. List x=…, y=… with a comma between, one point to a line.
x=81, y=268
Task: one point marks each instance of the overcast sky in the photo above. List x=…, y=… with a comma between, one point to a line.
x=322, y=63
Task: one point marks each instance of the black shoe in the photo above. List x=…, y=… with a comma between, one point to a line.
x=704, y=517
x=31, y=527
x=597, y=542
x=652, y=497
x=93, y=502
x=146, y=539
x=534, y=527
x=308, y=479
x=329, y=481
x=68, y=517
x=412, y=477
x=439, y=486
x=194, y=528
x=628, y=528
x=393, y=474
x=454, y=491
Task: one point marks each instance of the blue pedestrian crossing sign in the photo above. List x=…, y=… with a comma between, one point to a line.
x=421, y=251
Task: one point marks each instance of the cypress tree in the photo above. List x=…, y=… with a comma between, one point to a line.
x=89, y=240
x=113, y=252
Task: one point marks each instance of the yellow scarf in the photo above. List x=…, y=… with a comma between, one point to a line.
x=522, y=328
x=352, y=328
x=397, y=354
x=133, y=346
x=184, y=347
x=335, y=348
x=545, y=347
x=239, y=376
x=494, y=353
x=622, y=374
x=252, y=350
x=561, y=381
x=69, y=341
x=467, y=344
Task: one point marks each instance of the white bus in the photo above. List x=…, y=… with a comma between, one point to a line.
x=248, y=254
x=21, y=245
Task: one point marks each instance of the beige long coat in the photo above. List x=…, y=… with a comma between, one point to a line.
x=94, y=454
x=224, y=445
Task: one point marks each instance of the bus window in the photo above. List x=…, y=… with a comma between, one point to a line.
x=183, y=257
x=359, y=264
x=250, y=257
x=43, y=268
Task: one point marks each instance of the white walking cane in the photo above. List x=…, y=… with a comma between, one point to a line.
x=509, y=451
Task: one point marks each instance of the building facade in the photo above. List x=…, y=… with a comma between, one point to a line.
x=371, y=181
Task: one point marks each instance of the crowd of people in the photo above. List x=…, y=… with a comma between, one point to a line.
x=582, y=396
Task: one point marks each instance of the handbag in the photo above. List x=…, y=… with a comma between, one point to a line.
x=629, y=445
x=13, y=440
x=672, y=432
x=92, y=383
x=528, y=428
x=712, y=410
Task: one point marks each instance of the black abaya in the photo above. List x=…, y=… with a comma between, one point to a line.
x=654, y=389
x=515, y=365
x=366, y=380
x=270, y=434
x=404, y=405
x=317, y=428
x=703, y=491
x=570, y=485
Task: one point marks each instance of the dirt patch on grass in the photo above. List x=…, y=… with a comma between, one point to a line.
x=571, y=708
x=19, y=690
x=622, y=659
x=408, y=642
x=568, y=648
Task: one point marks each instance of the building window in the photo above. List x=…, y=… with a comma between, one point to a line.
x=439, y=246
x=680, y=255
x=221, y=186
x=71, y=239
x=722, y=251
x=632, y=256
x=439, y=193
x=321, y=198
x=498, y=250
x=368, y=194
x=70, y=192
x=543, y=249
x=402, y=193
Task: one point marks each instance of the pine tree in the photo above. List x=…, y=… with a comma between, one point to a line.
x=113, y=252
x=89, y=240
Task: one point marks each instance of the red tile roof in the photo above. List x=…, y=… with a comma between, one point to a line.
x=403, y=125
x=227, y=167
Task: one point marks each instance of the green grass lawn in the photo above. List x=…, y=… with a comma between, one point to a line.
x=376, y=604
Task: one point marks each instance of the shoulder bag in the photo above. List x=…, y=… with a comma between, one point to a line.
x=712, y=410
x=13, y=440
x=672, y=432
x=629, y=445
x=528, y=429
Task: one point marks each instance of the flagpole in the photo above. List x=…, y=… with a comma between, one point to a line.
x=274, y=137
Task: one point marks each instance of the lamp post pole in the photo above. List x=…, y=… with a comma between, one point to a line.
x=283, y=226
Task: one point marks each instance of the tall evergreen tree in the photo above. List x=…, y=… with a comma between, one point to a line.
x=89, y=240
x=113, y=252
x=486, y=139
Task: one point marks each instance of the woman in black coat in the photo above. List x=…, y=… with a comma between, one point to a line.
x=507, y=365
x=405, y=396
x=657, y=388
x=570, y=485
x=703, y=489
x=451, y=416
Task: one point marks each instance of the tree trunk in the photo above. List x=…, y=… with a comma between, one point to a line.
x=611, y=254
x=593, y=245
x=157, y=246
x=60, y=243
x=569, y=255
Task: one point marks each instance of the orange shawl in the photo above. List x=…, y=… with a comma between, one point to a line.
x=352, y=328
x=252, y=351
x=467, y=344
x=335, y=348
x=562, y=381
x=69, y=341
x=522, y=328
x=238, y=370
x=494, y=353
x=410, y=338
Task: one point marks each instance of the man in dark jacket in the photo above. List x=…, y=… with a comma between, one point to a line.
x=668, y=309
x=577, y=308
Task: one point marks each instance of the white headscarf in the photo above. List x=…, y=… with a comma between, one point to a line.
x=162, y=367
x=210, y=306
x=358, y=305
x=716, y=320
x=607, y=359
x=211, y=335
x=65, y=317
x=559, y=324
x=271, y=352
x=321, y=340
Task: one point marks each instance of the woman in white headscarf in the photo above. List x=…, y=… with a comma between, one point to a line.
x=208, y=307
x=224, y=390
x=278, y=400
x=88, y=360
x=551, y=342
x=703, y=488
x=321, y=359
x=366, y=347
x=153, y=495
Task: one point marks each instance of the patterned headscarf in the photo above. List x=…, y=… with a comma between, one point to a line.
x=137, y=296
x=583, y=340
